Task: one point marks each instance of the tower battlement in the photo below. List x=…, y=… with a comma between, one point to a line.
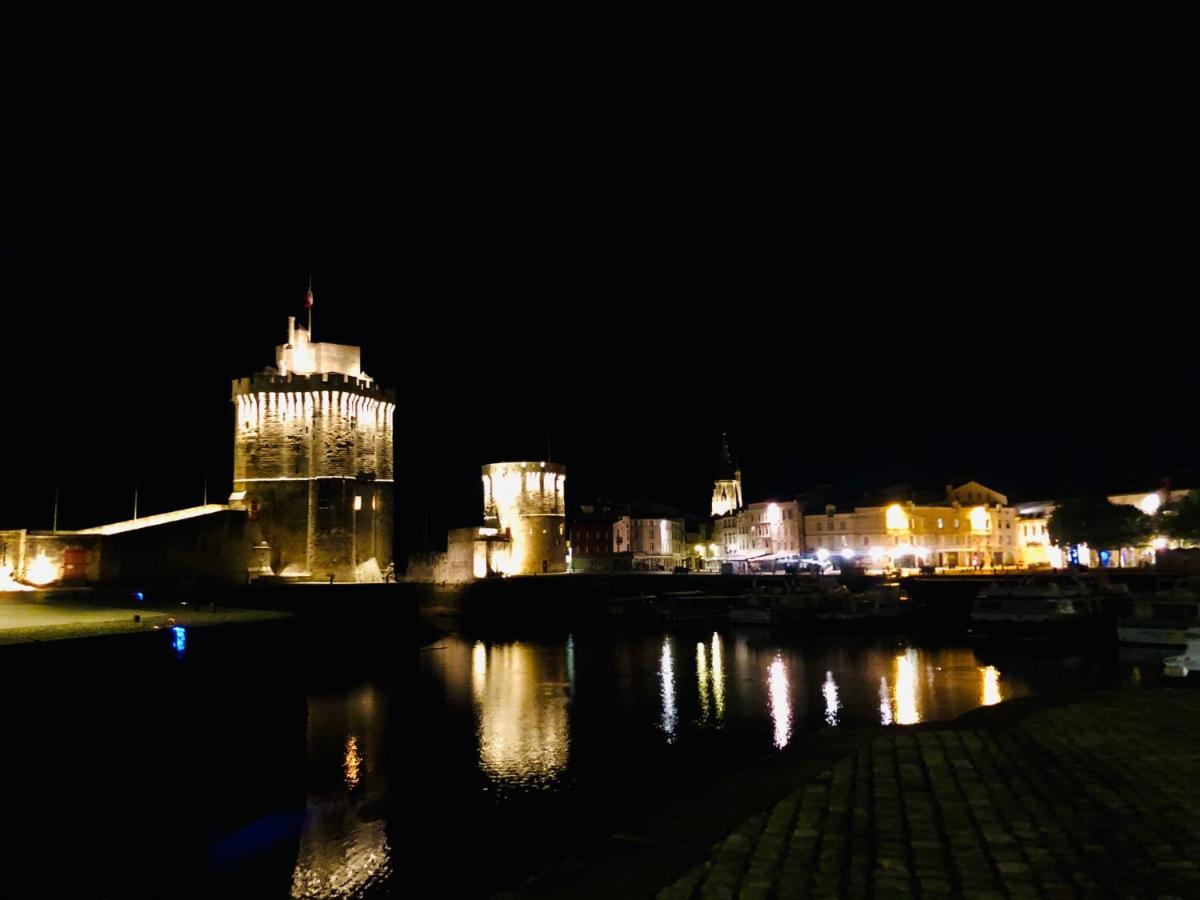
x=266, y=382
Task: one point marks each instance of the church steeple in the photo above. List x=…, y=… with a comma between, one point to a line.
x=727, y=488
x=725, y=469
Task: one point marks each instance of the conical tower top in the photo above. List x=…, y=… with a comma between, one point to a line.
x=726, y=470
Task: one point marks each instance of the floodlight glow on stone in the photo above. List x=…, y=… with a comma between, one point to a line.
x=41, y=571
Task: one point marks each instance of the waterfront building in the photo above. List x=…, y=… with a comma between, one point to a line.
x=654, y=544
x=200, y=544
x=312, y=463
x=1037, y=514
x=1035, y=549
x=696, y=544
x=592, y=541
x=973, y=528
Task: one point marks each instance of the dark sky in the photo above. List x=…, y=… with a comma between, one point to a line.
x=853, y=316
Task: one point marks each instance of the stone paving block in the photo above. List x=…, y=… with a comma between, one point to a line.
x=1067, y=802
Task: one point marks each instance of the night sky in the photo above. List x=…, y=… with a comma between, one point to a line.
x=852, y=330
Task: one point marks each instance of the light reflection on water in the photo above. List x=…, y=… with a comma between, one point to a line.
x=521, y=705
x=710, y=683
x=666, y=674
x=352, y=765
x=781, y=704
x=905, y=697
x=344, y=849
x=718, y=679
x=523, y=693
x=989, y=686
x=829, y=689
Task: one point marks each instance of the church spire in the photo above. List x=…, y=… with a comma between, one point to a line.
x=726, y=470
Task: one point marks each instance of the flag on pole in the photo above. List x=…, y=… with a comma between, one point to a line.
x=308, y=298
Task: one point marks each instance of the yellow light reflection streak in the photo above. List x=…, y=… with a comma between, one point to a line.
x=523, y=730
x=352, y=764
x=702, y=681
x=989, y=688
x=718, y=676
x=885, y=703
x=478, y=670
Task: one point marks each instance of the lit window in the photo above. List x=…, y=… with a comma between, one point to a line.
x=941, y=524
x=357, y=502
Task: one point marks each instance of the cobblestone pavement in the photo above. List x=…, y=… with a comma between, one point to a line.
x=1100, y=798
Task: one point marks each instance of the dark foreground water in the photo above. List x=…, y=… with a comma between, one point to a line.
x=263, y=762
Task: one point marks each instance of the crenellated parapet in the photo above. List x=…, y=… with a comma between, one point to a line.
x=298, y=426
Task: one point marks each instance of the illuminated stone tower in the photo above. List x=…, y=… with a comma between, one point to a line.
x=526, y=501
x=727, y=489
x=312, y=463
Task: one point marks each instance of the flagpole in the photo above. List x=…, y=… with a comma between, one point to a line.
x=310, y=306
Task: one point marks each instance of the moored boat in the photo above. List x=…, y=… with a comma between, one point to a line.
x=1161, y=618
x=1057, y=609
x=780, y=600
x=1187, y=664
x=885, y=603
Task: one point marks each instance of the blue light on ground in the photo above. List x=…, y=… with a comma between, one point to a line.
x=180, y=639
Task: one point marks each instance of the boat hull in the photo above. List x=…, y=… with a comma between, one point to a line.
x=1143, y=636
x=1059, y=631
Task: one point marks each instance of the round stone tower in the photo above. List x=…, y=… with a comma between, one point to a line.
x=526, y=501
x=312, y=463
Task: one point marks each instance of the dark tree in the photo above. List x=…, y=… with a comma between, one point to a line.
x=1181, y=519
x=1099, y=524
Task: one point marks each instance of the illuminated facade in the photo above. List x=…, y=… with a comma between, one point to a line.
x=526, y=502
x=1040, y=550
x=653, y=544
x=761, y=530
x=957, y=534
x=312, y=463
